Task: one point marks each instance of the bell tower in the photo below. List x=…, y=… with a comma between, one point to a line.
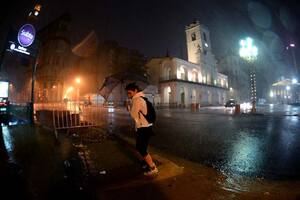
x=198, y=42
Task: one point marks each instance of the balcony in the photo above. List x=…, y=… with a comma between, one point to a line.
x=174, y=78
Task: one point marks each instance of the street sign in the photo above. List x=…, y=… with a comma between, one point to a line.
x=26, y=35
x=23, y=41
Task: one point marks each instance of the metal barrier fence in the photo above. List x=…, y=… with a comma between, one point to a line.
x=70, y=115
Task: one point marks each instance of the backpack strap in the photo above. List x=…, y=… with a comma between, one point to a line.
x=144, y=98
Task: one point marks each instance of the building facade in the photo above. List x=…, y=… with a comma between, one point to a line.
x=53, y=60
x=285, y=91
x=190, y=83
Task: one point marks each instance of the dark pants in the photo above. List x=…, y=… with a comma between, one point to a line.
x=142, y=139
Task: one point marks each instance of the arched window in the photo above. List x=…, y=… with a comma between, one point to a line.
x=181, y=73
x=168, y=73
x=200, y=77
x=193, y=97
x=167, y=94
x=195, y=76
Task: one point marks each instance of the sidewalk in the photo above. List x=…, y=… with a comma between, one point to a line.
x=112, y=172
x=182, y=179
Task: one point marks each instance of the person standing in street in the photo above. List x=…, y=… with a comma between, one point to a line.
x=143, y=128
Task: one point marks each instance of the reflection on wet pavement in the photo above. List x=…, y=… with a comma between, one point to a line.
x=263, y=146
x=8, y=142
x=255, y=146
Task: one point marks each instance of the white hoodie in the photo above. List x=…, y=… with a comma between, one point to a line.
x=139, y=104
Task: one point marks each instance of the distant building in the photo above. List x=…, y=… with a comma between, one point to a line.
x=238, y=78
x=194, y=82
x=285, y=91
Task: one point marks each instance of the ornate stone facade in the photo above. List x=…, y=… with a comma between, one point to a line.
x=182, y=83
x=193, y=82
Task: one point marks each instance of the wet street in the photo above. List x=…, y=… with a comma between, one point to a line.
x=33, y=164
x=257, y=146
x=264, y=145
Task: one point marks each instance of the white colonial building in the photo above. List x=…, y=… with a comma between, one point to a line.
x=285, y=91
x=194, y=82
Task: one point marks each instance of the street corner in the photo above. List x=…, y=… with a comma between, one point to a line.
x=167, y=168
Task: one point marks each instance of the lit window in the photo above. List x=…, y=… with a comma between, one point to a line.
x=169, y=89
x=195, y=76
x=181, y=73
x=200, y=77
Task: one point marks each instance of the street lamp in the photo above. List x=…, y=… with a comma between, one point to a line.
x=292, y=46
x=249, y=53
x=288, y=94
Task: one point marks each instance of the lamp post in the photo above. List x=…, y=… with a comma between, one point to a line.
x=292, y=46
x=249, y=53
x=294, y=90
x=288, y=93
x=271, y=95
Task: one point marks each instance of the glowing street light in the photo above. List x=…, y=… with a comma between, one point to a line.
x=77, y=80
x=294, y=81
x=249, y=53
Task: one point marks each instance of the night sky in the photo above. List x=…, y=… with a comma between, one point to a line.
x=155, y=26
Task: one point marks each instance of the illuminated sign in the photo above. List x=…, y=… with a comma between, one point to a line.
x=26, y=35
x=18, y=48
x=4, y=89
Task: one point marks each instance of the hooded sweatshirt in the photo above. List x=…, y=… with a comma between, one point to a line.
x=139, y=105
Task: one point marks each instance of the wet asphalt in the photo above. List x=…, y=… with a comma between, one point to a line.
x=262, y=145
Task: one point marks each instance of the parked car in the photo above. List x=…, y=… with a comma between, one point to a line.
x=230, y=103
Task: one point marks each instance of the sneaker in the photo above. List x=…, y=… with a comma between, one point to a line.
x=151, y=172
x=144, y=166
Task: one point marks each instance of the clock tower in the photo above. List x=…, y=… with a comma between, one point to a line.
x=198, y=42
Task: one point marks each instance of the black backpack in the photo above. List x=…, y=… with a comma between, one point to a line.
x=151, y=115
